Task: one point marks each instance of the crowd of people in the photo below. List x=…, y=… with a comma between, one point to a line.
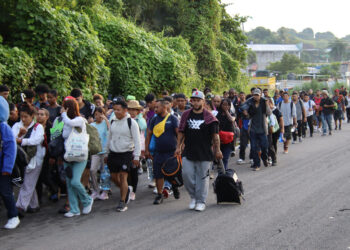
x=202, y=129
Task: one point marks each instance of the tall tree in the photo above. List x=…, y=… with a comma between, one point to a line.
x=338, y=50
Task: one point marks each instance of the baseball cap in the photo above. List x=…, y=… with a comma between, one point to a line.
x=256, y=92
x=325, y=92
x=198, y=94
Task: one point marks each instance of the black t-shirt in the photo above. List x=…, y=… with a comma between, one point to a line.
x=327, y=101
x=198, y=138
x=257, y=120
x=278, y=115
x=54, y=113
x=224, y=123
x=88, y=110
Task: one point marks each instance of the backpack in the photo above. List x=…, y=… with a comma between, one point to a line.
x=276, y=127
x=30, y=150
x=172, y=171
x=291, y=107
x=95, y=145
x=56, y=145
x=129, y=123
x=227, y=187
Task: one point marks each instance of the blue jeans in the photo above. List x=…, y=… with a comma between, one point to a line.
x=7, y=195
x=258, y=141
x=326, y=120
x=226, y=150
x=76, y=190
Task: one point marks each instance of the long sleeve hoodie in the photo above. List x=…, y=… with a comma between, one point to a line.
x=8, y=143
x=121, y=139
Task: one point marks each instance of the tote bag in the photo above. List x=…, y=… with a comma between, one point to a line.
x=77, y=149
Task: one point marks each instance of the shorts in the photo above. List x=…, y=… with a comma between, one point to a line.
x=158, y=160
x=120, y=162
x=288, y=132
x=338, y=115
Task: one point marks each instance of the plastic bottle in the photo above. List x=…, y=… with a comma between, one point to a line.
x=105, y=179
x=149, y=164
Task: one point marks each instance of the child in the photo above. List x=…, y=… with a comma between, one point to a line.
x=97, y=161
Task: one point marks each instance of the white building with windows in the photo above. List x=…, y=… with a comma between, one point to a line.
x=268, y=53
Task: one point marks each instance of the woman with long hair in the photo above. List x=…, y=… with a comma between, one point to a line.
x=226, y=129
x=76, y=191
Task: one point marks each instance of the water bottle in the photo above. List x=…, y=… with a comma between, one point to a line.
x=281, y=138
x=105, y=179
x=149, y=164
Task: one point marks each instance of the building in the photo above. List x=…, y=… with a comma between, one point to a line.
x=268, y=53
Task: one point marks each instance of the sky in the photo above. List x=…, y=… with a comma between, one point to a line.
x=321, y=15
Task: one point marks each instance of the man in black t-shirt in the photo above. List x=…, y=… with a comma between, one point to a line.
x=198, y=129
x=327, y=106
x=86, y=108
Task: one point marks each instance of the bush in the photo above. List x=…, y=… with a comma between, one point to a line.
x=16, y=69
x=141, y=62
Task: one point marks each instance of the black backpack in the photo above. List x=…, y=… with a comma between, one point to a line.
x=226, y=188
x=172, y=171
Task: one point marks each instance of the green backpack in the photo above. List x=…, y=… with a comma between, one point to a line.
x=95, y=145
x=276, y=127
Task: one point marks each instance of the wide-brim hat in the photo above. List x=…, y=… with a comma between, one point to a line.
x=133, y=104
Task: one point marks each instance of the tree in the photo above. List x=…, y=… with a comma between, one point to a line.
x=338, y=50
x=330, y=70
x=263, y=35
x=329, y=36
x=289, y=63
x=307, y=34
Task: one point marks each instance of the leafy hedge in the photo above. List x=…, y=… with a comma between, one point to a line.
x=16, y=68
x=141, y=62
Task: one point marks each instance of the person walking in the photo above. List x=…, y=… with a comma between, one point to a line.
x=164, y=127
x=30, y=136
x=198, y=130
x=339, y=109
x=327, y=106
x=76, y=191
x=124, y=150
x=7, y=162
x=258, y=111
x=309, y=106
x=301, y=117
x=289, y=114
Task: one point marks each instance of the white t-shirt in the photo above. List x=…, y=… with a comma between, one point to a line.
x=309, y=105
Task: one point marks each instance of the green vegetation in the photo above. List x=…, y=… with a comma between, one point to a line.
x=121, y=47
x=288, y=64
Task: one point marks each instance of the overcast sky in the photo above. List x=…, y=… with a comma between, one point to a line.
x=321, y=15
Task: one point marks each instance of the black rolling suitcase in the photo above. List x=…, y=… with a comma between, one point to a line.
x=227, y=187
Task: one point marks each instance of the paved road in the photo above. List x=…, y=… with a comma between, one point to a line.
x=303, y=203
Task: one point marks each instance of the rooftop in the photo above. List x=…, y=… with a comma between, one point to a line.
x=275, y=47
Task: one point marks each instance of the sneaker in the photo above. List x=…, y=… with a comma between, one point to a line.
x=176, y=193
x=140, y=171
x=300, y=140
x=103, y=196
x=122, y=207
x=274, y=163
x=165, y=193
x=94, y=195
x=251, y=161
x=211, y=174
x=127, y=198
x=155, y=191
x=256, y=168
x=266, y=163
x=152, y=184
x=200, y=207
x=12, y=223
x=132, y=196
x=70, y=214
x=240, y=162
x=293, y=142
x=158, y=200
x=285, y=151
x=192, y=204
x=88, y=208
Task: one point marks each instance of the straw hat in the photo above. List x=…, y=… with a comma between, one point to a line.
x=133, y=104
